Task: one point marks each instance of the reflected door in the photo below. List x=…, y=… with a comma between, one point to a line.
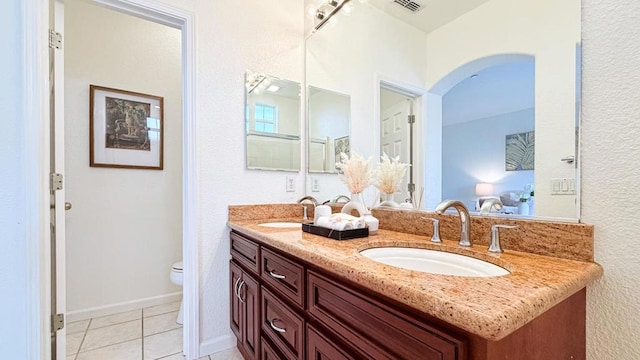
x=394, y=132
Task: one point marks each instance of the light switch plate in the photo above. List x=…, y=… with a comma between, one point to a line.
x=315, y=184
x=563, y=186
x=291, y=184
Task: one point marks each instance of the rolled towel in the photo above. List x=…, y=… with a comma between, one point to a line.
x=341, y=222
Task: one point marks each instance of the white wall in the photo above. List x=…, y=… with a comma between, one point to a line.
x=549, y=30
x=610, y=173
x=125, y=228
x=13, y=192
x=474, y=151
x=232, y=36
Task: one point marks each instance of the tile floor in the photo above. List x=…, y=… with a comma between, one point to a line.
x=144, y=334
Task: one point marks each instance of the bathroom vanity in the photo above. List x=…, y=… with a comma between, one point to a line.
x=296, y=295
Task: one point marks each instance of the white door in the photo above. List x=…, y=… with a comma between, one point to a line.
x=58, y=285
x=394, y=137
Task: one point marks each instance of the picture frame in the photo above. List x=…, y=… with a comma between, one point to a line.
x=342, y=145
x=126, y=129
x=520, y=151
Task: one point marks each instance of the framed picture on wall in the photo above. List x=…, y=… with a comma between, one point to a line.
x=520, y=151
x=125, y=129
x=342, y=145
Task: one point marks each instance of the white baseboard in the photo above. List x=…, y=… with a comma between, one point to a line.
x=122, y=307
x=218, y=344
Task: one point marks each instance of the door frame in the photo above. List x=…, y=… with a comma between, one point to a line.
x=35, y=107
x=420, y=111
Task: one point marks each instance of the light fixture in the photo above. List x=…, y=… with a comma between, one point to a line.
x=326, y=10
x=273, y=88
x=255, y=82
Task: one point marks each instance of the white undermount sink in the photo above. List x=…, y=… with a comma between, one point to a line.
x=433, y=261
x=282, y=225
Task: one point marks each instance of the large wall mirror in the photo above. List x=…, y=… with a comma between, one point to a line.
x=272, y=123
x=493, y=84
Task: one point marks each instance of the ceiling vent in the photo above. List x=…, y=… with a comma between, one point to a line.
x=409, y=5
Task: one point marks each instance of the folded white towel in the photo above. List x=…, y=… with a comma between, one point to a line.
x=341, y=222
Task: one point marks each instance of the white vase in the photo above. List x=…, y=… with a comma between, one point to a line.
x=523, y=208
x=388, y=200
x=357, y=205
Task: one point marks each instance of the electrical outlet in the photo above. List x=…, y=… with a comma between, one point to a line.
x=291, y=184
x=315, y=184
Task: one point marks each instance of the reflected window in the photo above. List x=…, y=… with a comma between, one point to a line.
x=266, y=118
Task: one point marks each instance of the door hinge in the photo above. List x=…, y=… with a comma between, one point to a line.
x=57, y=322
x=56, y=181
x=55, y=39
x=411, y=119
x=411, y=187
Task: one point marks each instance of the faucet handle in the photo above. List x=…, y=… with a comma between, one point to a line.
x=494, y=246
x=304, y=212
x=435, y=238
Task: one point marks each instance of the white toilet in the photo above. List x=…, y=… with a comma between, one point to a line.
x=176, y=278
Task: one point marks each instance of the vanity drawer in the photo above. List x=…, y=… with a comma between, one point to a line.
x=268, y=352
x=319, y=347
x=283, y=326
x=285, y=276
x=245, y=251
x=376, y=329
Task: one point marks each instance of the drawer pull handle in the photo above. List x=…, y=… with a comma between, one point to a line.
x=240, y=291
x=274, y=327
x=276, y=275
x=236, y=288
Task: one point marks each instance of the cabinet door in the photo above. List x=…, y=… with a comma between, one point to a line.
x=248, y=292
x=319, y=347
x=235, y=276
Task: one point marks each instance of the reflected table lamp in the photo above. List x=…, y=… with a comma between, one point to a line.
x=484, y=191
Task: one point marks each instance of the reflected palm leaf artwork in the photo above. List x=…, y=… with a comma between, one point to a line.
x=520, y=151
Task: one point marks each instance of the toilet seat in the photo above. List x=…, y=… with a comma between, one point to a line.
x=177, y=267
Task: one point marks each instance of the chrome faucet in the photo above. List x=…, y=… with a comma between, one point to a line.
x=489, y=204
x=341, y=197
x=310, y=199
x=464, y=218
x=494, y=246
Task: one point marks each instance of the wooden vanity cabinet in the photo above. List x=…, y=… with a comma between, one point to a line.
x=306, y=313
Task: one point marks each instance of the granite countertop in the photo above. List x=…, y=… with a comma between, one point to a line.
x=491, y=307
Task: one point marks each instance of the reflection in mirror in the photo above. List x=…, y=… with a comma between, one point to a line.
x=328, y=123
x=272, y=123
x=396, y=109
x=433, y=51
x=479, y=114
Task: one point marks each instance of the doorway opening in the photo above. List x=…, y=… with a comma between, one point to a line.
x=184, y=150
x=400, y=110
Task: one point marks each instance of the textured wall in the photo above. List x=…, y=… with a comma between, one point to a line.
x=130, y=215
x=233, y=36
x=610, y=173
